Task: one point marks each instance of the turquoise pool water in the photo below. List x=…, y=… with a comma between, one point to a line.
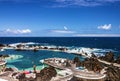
x=24, y=60
x=80, y=68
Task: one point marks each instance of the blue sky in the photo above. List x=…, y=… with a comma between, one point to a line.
x=68, y=18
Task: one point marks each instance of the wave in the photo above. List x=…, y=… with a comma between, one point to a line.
x=71, y=49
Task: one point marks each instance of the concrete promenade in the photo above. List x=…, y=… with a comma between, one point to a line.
x=79, y=73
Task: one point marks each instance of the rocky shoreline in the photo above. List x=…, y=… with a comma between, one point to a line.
x=92, y=63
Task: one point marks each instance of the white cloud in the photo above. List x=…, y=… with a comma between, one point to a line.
x=66, y=3
x=105, y=27
x=65, y=28
x=64, y=31
x=17, y=31
x=97, y=35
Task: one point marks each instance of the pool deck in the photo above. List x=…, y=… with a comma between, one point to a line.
x=6, y=76
x=79, y=73
x=54, y=65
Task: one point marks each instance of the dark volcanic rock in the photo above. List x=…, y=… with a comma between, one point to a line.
x=62, y=49
x=68, y=64
x=21, y=77
x=9, y=69
x=1, y=55
x=45, y=47
x=75, y=79
x=35, y=50
x=109, y=57
x=117, y=60
x=113, y=73
x=19, y=49
x=20, y=45
x=77, y=61
x=5, y=55
x=2, y=45
x=46, y=74
x=94, y=56
x=92, y=64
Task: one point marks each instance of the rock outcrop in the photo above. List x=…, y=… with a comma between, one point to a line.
x=77, y=61
x=117, y=60
x=4, y=55
x=113, y=73
x=93, y=55
x=2, y=45
x=109, y=57
x=9, y=69
x=92, y=64
x=46, y=74
x=68, y=64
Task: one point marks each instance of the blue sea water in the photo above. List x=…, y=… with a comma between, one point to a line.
x=93, y=42
x=30, y=58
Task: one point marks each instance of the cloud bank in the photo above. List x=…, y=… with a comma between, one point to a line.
x=17, y=31
x=97, y=35
x=66, y=3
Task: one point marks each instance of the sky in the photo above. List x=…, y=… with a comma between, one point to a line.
x=59, y=18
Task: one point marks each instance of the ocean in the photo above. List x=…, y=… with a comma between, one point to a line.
x=26, y=59
x=92, y=42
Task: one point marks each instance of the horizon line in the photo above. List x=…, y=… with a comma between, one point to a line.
x=61, y=36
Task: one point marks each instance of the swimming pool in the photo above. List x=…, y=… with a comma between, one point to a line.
x=24, y=60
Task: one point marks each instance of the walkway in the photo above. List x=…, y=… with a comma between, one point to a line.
x=78, y=73
x=88, y=75
x=6, y=76
x=108, y=63
x=54, y=65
